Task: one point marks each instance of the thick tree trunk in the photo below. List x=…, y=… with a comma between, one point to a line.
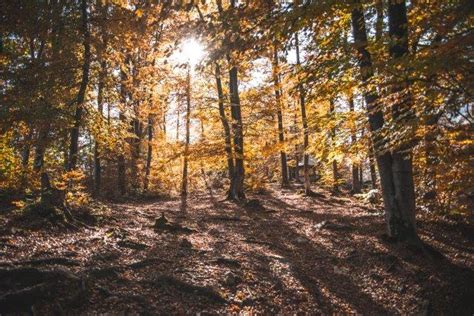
x=402, y=155
x=398, y=202
x=307, y=184
x=356, y=178
x=74, y=144
x=281, y=133
x=225, y=123
x=184, y=183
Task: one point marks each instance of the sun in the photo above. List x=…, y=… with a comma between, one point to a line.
x=190, y=51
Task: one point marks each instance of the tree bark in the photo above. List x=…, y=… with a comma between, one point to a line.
x=356, y=179
x=281, y=133
x=149, y=152
x=335, y=173
x=74, y=144
x=401, y=110
x=100, y=101
x=121, y=168
x=400, y=224
x=100, y=109
x=236, y=191
x=237, y=185
x=307, y=184
x=184, y=183
x=225, y=123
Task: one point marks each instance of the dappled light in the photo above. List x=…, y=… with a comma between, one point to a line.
x=236, y=157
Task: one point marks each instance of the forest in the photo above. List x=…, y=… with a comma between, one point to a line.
x=236, y=157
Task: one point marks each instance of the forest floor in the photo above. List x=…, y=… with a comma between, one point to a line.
x=286, y=254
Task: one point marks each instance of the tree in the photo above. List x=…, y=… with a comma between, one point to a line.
x=281, y=133
x=74, y=143
x=398, y=201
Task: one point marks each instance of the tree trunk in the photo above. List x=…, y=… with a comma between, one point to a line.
x=373, y=172
x=356, y=178
x=379, y=19
x=237, y=185
x=399, y=223
x=100, y=100
x=236, y=190
x=184, y=183
x=121, y=168
x=335, y=173
x=74, y=145
x=402, y=111
x=307, y=184
x=281, y=133
x=149, y=152
x=100, y=109
x=225, y=123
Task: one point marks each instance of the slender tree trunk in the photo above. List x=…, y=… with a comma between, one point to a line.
x=400, y=224
x=335, y=173
x=177, y=123
x=307, y=184
x=121, y=168
x=356, y=179
x=430, y=157
x=237, y=186
x=41, y=147
x=184, y=183
x=379, y=4
x=149, y=151
x=225, y=123
x=100, y=100
x=373, y=172
x=100, y=109
x=281, y=133
x=74, y=145
x=236, y=191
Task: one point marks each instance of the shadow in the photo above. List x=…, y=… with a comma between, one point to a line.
x=436, y=277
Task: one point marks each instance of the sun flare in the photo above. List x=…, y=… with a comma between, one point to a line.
x=190, y=51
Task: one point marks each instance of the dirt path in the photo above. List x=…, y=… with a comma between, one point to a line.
x=292, y=254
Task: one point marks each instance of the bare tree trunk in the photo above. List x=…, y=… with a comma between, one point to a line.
x=149, y=152
x=100, y=100
x=121, y=168
x=177, y=123
x=237, y=186
x=236, y=191
x=335, y=173
x=356, y=179
x=184, y=183
x=379, y=19
x=100, y=109
x=41, y=147
x=281, y=133
x=225, y=123
x=307, y=184
x=399, y=224
x=402, y=167
x=74, y=145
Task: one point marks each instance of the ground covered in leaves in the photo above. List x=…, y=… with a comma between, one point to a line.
x=280, y=253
